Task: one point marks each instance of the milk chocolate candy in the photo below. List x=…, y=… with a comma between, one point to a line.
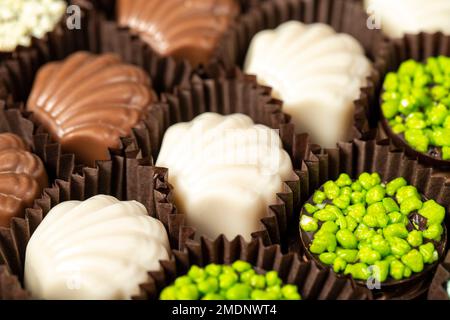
x=87, y=102
x=22, y=178
x=186, y=29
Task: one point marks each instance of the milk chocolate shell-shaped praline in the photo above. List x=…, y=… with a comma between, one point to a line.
x=87, y=102
x=186, y=29
x=22, y=178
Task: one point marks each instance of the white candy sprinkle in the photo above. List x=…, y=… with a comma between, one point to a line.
x=22, y=19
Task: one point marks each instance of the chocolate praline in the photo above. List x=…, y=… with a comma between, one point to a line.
x=409, y=288
x=185, y=29
x=432, y=158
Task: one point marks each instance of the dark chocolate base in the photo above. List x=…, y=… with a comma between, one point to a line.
x=10, y=288
x=418, y=47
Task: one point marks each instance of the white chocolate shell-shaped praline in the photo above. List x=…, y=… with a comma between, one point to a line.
x=186, y=29
x=226, y=171
x=316, y=72
x=398, y=17
x=87, y=102
x=99, y=249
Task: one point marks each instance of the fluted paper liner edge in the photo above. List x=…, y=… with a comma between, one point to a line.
x=312, y=282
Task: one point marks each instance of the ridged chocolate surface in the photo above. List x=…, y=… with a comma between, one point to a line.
x=87, y=102
x=22, y=178
x=187, y=29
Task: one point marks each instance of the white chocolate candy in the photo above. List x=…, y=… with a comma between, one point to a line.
x=22, y=19
x=226, y=171
x=398, y=17
x=316, y=72
x=101, y=248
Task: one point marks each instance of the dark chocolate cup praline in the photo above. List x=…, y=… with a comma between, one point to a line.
x=441, y=280
x=312, y=282
x=387, y=287
x=418, y=47
x=400, y=141
x=238, y=95
x=372, y=154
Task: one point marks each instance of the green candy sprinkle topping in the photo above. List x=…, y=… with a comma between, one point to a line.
x=236, y=282
x=366, y=228
x=416, y=103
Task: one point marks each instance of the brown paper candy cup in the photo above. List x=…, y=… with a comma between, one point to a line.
x=101, y=180
x=312, y=282
x=239, y=95
x=138, y=51
x=375, y=155
x=16, y=69
x=438, y=289
x=105, y=35
x=10, y=288
x=17, y=75
x=56, y=41
x=12, y=121
x=412, y=286
x=343, y=15
x=418, y=47
x=109, y=6
x=96, y=35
